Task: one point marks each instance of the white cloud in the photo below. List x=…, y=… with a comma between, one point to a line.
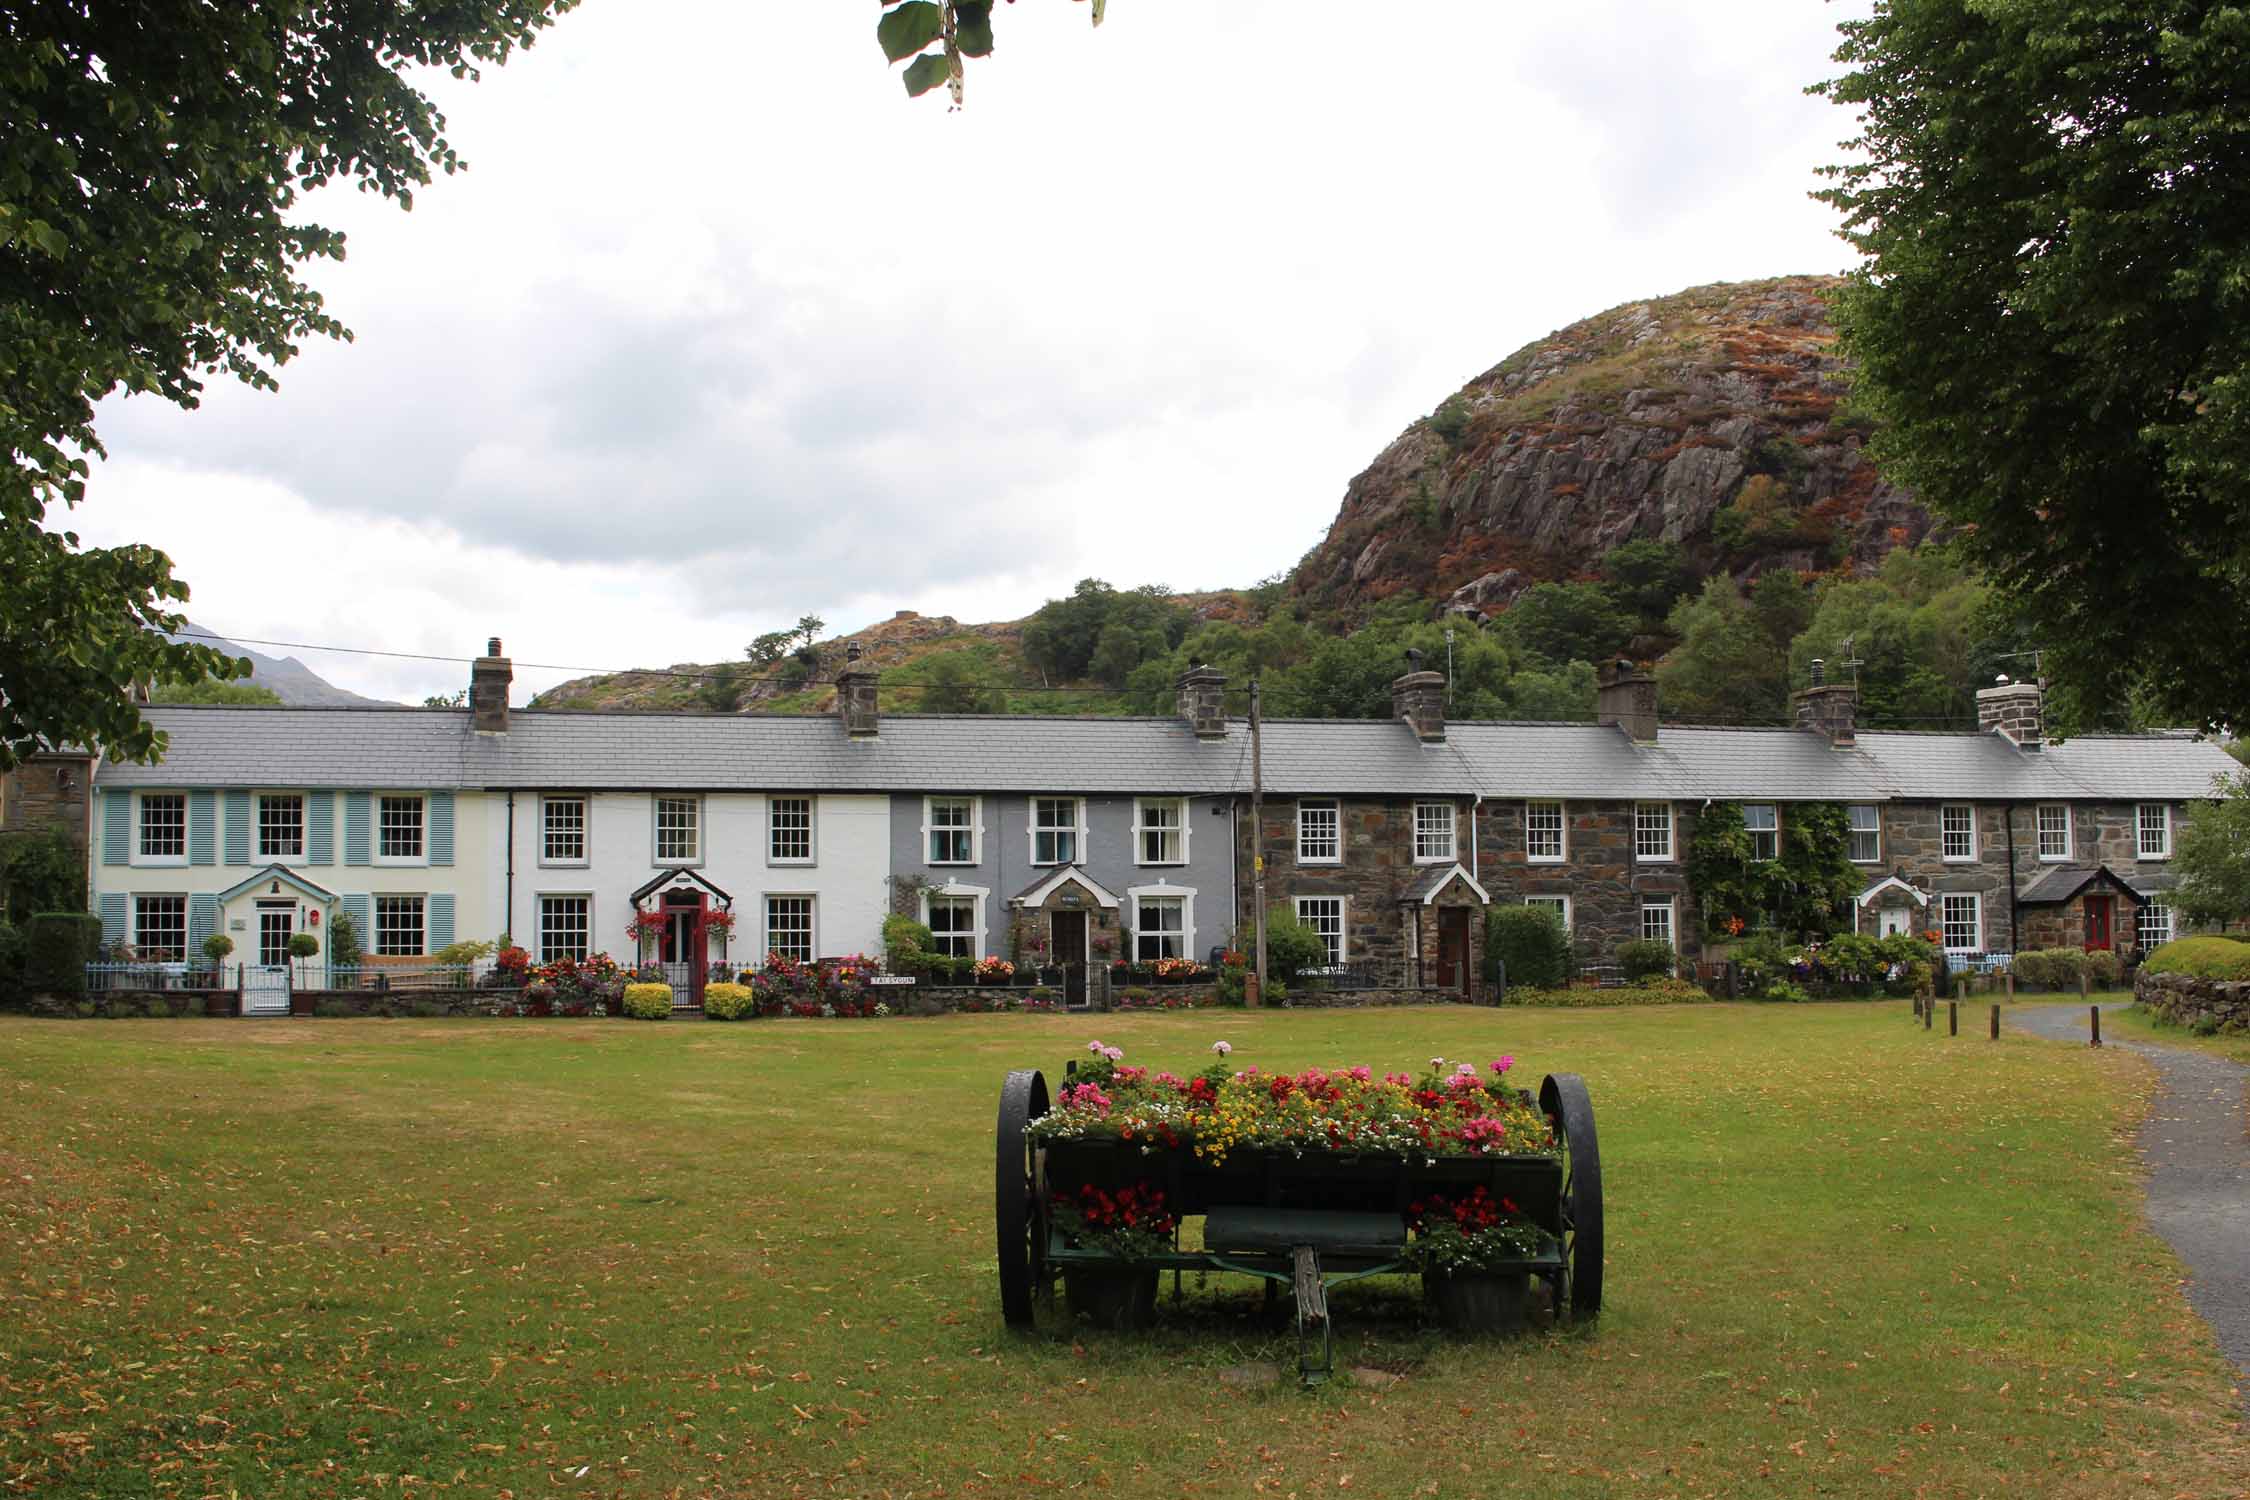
x=722, y=329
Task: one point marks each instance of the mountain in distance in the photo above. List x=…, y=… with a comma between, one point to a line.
x=287, y=678
x=1717, y=418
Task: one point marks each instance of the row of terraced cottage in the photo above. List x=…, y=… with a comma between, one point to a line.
x=1066, y=841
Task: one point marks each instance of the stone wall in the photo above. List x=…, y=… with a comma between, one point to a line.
x=2185, y=1000
x=1377, y=871
x=137, y=1003
x=1605, y=883
x=2104, y=833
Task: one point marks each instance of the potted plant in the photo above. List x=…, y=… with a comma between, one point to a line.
x=994, y=970
x=217, y=948
x=1129, y=1223
x=1465, y=1245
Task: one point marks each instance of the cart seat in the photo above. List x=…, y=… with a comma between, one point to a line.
x=1250, y=1230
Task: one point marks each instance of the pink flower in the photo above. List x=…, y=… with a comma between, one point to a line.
x=1087, y=1095
x=1221, y=1048
x=1504, y=1062
x=1113, y=1053
x=1095, y=1047
x=1362, y=1073
x=1460, y=1068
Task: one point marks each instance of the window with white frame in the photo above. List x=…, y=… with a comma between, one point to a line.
x=789, y=831
x=2152, y=925
x=1656, y=921
x=2054, y=831
x=1325, y=915
x=564, y=924
x=1433, y=833
x=2154, y=824
x=789, y=927
x=1054, y=830
x=400, y=928
x=1160, y=830
x=1957, y=831
x=1543, y=831
x=160, y=928
x=1320, y=833
x=953, y=925
x=679, y=830
x=281, y=825
x=1961, y=921
x=1762, y=821
x=562, y=830
x=1652, y=831
x=1559, y=905
x=1161, y=930
x=398, y=828
x=1866, y=833
x=950, y=824
x=163, y=828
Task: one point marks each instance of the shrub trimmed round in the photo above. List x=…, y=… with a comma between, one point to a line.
x=726, y=1002
x=648, y=1002
x=1530, y=942
x=2206, y=957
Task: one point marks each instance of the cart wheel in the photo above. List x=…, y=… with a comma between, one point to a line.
x=1563, y=1099
x=1022, y=1235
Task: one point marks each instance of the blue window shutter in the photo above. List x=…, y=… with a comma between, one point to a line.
x=441, y=920
x=117, y=828
x=361, y=911
x=202, y=828
x=202, y=921
x=320, y=828
x=238, y=828
x=355, y=827
x=113, y=917
x=441, y=828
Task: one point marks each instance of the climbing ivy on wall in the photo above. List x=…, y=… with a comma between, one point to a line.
x=1804, y=893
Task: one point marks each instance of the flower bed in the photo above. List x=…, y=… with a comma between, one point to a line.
x=1449, y=1110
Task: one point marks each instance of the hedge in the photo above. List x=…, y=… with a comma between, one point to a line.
x=1586, y=997
x=57, y=947
x=1529, y=941
x=725, y=1002
x=648, y=1002
x=2209, y=957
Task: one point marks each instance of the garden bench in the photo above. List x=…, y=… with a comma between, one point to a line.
x=1308, y=1220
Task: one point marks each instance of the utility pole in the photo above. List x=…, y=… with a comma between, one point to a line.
x=1258, y=836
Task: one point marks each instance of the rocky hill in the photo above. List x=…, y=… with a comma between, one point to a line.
x=1716, y=418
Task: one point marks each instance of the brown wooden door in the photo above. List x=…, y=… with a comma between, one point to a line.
x=2098, y=909
x=1453, y=947
x=1066, y=930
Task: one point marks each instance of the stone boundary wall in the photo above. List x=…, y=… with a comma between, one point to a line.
x=104, y=1003
x=2185, y=1000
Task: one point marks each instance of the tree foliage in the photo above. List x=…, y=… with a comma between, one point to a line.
x=933, y=36
x=2212, y=862
x=150, y=237
x=1560, y=622
x=2053, y=321
x=236, y=694
x=1802, y=893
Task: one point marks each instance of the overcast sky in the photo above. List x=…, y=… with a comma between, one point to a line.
x=721, y=329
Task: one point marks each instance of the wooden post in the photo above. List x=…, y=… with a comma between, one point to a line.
x=2011, y=984
x=2082, y=984
x=1952, y=1018
x=1996, y=1023
x=2094, y=1014
x=1929, y=1014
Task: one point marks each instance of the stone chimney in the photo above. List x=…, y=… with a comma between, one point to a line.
x=489, y=679
x=855, y=698
x=2017, y=710
x=1203, y=701
x=1827, y=708
x=1626, y=698
x=1419, y=699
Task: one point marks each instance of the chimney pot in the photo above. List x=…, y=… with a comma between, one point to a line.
x=1419, y=699
x=1819, y=670
x=1625, y=696
x=2016, y=710
x=1828, y=708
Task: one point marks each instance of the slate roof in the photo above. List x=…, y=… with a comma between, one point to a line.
x=2058, y=883
x=438, y=748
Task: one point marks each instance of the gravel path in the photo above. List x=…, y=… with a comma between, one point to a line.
x=2198, y=1172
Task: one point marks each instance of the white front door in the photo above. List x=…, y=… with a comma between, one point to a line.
x=265, y=983
x=1893, y=920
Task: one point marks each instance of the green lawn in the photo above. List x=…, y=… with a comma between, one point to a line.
x=2140, y=1026
x=370, y=1258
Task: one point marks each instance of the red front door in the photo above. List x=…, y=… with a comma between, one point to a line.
x=2098, y=910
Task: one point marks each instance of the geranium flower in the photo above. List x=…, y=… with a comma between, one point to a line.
x=1221, y=1048
x=1504, y=1062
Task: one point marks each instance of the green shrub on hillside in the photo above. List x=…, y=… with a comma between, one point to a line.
x=2209, y=957
x=1528, y=944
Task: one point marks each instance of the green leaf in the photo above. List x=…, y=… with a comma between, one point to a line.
x=908, y=29
x=925, y=73
x=972, y=27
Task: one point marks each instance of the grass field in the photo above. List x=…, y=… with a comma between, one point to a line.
x=368, y=1258
x=2140, y=1026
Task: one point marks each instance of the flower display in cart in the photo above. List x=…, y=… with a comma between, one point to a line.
x=1348, y=1110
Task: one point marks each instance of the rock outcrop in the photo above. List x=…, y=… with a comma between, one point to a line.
x=1714, y=418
